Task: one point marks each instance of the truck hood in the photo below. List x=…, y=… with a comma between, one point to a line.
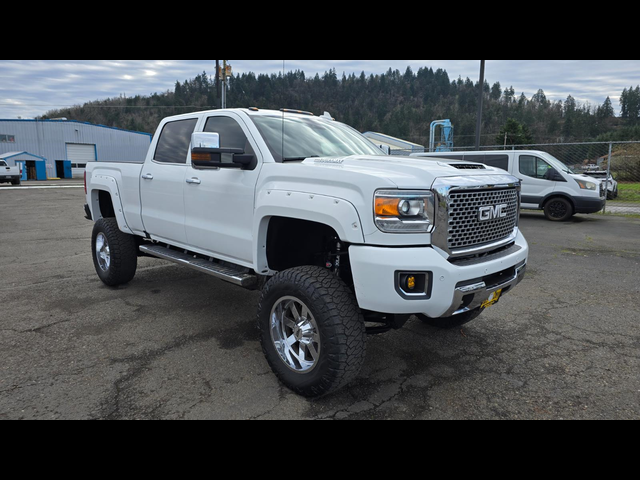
x=403, y=172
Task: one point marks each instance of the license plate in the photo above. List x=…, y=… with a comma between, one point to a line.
x=493, y=298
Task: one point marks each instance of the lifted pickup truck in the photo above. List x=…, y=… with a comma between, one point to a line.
x=341, y=239
x=10, y=174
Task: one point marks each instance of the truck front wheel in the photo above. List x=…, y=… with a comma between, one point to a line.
x=312, y=331
x=115, y=253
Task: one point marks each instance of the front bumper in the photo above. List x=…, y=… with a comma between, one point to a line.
x=453, y=287
x=588, y=204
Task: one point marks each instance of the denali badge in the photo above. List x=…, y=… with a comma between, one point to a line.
x=490, y=212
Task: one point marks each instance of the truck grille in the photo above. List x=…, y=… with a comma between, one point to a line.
x=468, y=226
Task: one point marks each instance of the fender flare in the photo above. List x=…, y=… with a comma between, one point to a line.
x=109, y=184
x=336, y=213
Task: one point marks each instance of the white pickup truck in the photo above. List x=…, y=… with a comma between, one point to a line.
x=341, y=239
x=10, y=174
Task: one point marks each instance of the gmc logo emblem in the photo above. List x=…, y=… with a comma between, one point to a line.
x=491, y=212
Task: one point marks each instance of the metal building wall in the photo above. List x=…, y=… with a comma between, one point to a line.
x=49, y=139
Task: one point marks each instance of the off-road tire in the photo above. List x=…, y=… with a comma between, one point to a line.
x=123, y=253
x=558, y=209
x=340, y=328
x=451, y=322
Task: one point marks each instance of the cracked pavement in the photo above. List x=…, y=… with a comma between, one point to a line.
x=174, y=344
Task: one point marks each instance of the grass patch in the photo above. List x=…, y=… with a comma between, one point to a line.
x=628, y=193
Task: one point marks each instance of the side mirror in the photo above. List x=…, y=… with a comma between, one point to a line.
x=206, y=153
x=552, y=174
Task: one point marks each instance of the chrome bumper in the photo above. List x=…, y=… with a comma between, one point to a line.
x=470, y=296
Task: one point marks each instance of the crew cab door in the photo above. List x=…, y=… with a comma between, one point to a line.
x=219, y=201
x=162, y=183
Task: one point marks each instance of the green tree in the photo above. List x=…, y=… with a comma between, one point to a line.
x=514, y=133
x=606, y=110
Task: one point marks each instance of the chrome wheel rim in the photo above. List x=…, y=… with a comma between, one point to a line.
x=103, y=253
x=295, y=334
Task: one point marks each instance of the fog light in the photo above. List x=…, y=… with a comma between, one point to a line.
x=413, y=284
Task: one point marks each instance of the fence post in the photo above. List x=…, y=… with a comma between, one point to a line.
x=606, y=181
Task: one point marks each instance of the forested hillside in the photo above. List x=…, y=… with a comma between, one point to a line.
x=395, y=103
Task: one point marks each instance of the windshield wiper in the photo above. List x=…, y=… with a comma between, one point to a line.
x=298, y=159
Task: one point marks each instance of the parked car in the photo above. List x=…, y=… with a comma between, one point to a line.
x=547, y=183
x=606, y=177
x=9, y=174
x=341, y=238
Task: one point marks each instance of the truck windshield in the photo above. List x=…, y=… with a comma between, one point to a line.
x=295, y=138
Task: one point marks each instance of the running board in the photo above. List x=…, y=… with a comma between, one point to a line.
x=237, y=276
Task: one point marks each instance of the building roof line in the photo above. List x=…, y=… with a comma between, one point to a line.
x=72, y=121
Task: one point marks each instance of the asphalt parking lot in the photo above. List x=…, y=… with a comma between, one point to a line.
x=174, y=344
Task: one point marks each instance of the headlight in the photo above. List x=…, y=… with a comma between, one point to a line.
x=586, y=185
x=398, y=211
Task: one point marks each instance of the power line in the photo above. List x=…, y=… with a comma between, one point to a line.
x=105, y=106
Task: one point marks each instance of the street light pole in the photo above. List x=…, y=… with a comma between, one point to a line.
x=480, y=99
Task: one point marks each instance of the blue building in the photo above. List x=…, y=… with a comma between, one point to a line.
x=65, y=146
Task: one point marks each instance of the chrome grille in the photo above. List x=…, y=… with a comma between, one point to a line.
x=466, y=229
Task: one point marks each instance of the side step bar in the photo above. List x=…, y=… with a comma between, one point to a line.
x=237, y=276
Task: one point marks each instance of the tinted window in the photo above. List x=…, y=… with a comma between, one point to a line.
x=498, y=161
x=231, y=136
x=2, y=163
x=174, y=141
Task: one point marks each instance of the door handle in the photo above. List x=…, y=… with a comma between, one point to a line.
x=194, y=180
x=147, y=176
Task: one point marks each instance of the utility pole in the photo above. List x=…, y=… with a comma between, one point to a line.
x=480, y=99
x=224, y=84
x=218, y=83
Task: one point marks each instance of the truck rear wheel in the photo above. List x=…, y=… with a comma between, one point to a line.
x=311, y=329
x=115, y=253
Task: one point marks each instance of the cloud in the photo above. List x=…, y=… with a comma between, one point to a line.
x=29, y=88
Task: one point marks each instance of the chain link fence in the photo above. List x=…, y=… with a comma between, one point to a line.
x=617, y=163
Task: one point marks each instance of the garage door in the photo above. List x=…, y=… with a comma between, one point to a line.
x=81, y=153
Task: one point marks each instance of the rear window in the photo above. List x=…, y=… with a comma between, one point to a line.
x=498, y=161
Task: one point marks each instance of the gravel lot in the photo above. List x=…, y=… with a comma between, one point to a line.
x=174, y=344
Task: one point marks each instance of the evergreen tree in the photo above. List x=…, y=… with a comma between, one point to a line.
x=606, y=110
x=514, y=133
x=400, y=104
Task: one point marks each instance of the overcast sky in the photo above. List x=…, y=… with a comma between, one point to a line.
x=29, y=88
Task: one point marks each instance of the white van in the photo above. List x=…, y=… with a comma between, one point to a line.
x=547, y=183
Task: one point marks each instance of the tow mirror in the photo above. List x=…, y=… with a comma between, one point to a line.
x=207, y=153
